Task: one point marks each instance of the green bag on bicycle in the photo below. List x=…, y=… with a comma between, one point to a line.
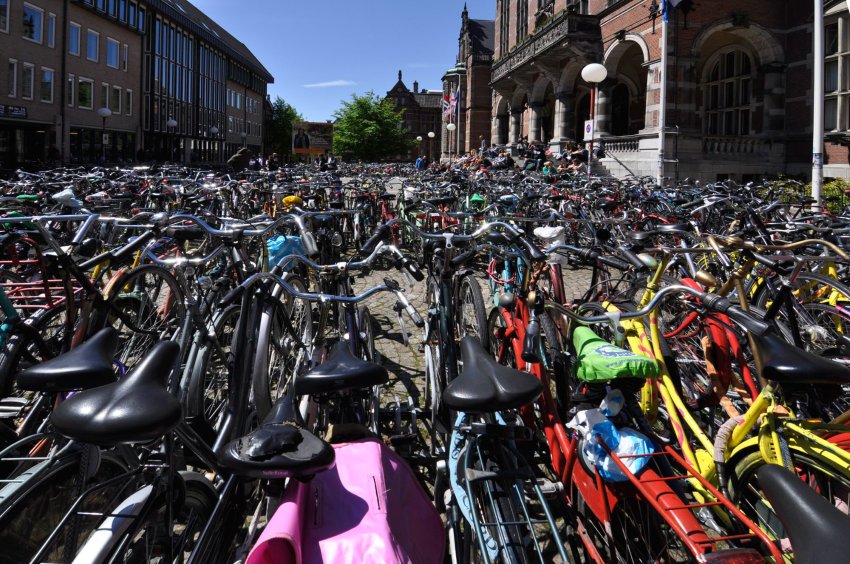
x=600, y=361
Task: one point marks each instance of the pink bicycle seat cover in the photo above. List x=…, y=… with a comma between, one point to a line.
x=368, y=508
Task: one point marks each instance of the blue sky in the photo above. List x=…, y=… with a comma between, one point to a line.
x=321, y=52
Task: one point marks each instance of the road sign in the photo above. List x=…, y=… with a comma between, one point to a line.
x=588, y=130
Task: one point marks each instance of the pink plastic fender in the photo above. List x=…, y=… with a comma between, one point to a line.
x=368, y=508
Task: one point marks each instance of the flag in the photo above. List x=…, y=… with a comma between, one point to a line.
x=446, y=104
x=666, y=6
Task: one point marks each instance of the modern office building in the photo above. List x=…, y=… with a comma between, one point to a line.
x=84, y=81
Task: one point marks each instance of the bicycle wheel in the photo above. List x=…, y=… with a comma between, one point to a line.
x=744, y=490
x=145, y=306
x=279, y=358
x=209, y=387
x=366, y=327
x=471, y=313
x=150, y=541
x=29, y=519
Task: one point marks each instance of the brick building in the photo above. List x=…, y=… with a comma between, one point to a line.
x=421, y=112
x=738, y=76
x=472, y=74
x=87, y=80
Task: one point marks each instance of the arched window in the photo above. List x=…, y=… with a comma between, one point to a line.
x=728, y=95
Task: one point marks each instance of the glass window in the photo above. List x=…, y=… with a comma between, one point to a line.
x=122, y=10
x=115, y=101
x=51, y=30
x=104, y=95
x=727, y=96
x=72, y=81
x=92, y=45
x=125, y=56
x=74, y=38
x=33, y=23
x=131, y=15
x=110, y=5
x=101, y=4
x=4, y=15
x=13, y=78
x=27, y=80
x=128, y=102
x=111, y=53
x=47, y=85
x=85, y=96
x=141, y=19
x=830, y=39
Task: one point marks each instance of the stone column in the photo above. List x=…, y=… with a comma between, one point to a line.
x=774, y=93
x=564, y=120
x=516, y=126
x=603, y=111
x=534, y=124
x=496, y=130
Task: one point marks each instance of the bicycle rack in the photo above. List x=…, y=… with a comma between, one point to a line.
x=697, y=541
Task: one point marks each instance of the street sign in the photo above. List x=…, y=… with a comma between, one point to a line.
x=588, y=130
x=106, y=139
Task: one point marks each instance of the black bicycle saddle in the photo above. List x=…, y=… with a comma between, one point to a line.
x=136, y=409
x=87, y=366
x=485, y=386
x=278, y=449
x=341, y=371
x=787, y=364
x=817, y=529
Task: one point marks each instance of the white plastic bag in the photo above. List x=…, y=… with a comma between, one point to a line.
x=553, y=235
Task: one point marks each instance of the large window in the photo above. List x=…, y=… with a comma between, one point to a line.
x=112, y=47
x=128, y=102
x=33, y=23
x=92, y=45
x=74, y=38
x=4, y=15
x=728, y=95
x=51, y=30
x=85, y=95
x=104, y=96
x=46, y=94
x=27, y=81
x=12, y=90
x=836, y=82
x=115, y=102
x=504, y=26
x=521, y=20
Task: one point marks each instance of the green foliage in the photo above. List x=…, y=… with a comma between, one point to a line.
x=833, y=194
x=370, y=128
x=280, y=127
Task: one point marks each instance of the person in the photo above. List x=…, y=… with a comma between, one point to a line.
x=483, y=144
x=331, y=161
x=548, y=168
x=272, y=163
x=302, y=140
x=420, y=163
x=578, y=167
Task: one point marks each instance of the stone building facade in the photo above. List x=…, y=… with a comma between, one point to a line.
x=421, y=110
x=472, y=75
x=83, y=81
x=739, y=81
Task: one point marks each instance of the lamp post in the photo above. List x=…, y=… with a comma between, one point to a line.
x=817, y=105
x=103, y=113
x=450, y=128
x=593, y=74
x=244, y=137
x=419, y=143
x=171, y=124
x=430, y=146
x=214, y=133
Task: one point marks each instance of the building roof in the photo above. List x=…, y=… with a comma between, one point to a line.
x=428, y=99
x=482, y=33
x=202, y=25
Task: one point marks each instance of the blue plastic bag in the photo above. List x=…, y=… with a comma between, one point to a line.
x=283, y=245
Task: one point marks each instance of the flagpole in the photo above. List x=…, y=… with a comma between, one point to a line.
x=662, y=98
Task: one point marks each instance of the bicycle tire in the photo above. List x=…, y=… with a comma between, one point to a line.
x=150, y=537
x=471, y=313
x=277, y=358
x=209, y=386
x=145, y=306
x=36, y=510
x=743, y=485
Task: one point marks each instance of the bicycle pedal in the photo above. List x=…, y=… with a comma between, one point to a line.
x=550, y=489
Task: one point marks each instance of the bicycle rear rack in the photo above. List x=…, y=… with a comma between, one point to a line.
x=697, y=541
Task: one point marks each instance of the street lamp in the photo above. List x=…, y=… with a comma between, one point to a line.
x=171, y=124
x=594, y=73
x=450, y=128
x=103, y=113
x=214, y=133
x=430, y=146
x=419, y=142
x=244, y=136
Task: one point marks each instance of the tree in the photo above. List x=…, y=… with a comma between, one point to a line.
x=280, y=127
x=370, y=128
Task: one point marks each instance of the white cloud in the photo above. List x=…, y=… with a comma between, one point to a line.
x=330, y=84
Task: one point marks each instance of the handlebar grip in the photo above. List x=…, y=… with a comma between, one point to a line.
x=308, y=241
x=630, y=256
x=614, y=262
x=746, y=320
x=531, y=343
x=373, y=241
x=411, y=267
x=414, y=315
x=531, y=248
x=127, y=251
x=460, y=259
